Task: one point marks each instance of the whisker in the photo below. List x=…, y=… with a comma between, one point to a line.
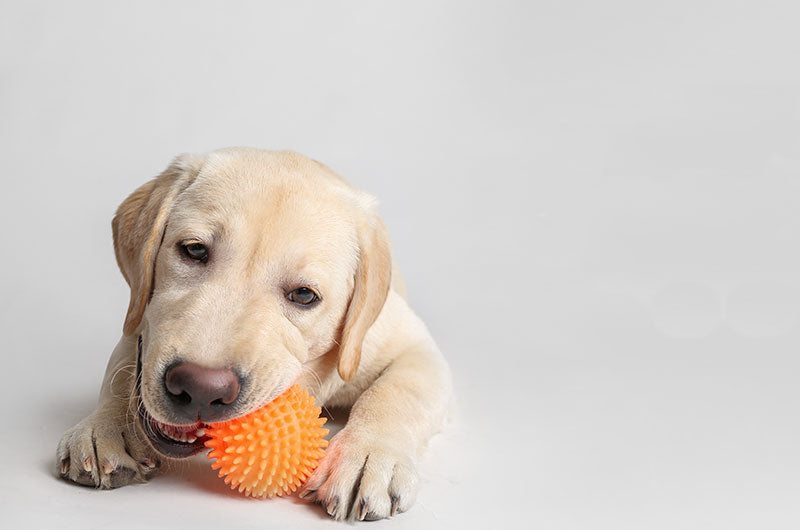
x=119, y=370
x=316, y=378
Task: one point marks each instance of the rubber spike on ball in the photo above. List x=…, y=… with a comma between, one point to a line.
x=273, y=450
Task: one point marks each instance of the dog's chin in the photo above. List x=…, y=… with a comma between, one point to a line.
x=172, y=441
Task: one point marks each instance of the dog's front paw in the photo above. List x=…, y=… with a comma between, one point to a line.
x=106, y=452
x=363, y=478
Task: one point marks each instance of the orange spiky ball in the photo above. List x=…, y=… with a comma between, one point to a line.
x=273, y=450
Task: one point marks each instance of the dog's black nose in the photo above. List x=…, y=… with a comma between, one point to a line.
x=200, y=393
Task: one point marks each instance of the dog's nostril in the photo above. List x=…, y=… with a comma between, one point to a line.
x=200, y=392
x=181, y=399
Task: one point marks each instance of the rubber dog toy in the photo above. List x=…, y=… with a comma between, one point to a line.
x=273, y=450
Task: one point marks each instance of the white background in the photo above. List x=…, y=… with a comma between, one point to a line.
x=595, y=205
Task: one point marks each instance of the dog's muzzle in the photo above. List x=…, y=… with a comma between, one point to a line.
x=173, y=441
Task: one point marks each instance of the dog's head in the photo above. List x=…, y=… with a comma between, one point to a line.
x=243, y=265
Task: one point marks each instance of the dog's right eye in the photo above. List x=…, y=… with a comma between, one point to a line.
x=302, y=296
x=196, y=251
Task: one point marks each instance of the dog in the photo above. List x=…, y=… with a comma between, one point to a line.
x=250, y=271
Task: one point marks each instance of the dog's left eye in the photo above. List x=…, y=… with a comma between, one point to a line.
x=302, y=296
x=196, y=251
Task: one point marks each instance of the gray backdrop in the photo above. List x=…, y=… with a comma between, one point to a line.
x=595, y=205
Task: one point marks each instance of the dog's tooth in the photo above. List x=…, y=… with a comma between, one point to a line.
x=180, y=434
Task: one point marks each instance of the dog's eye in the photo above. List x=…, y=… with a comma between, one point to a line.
x=302, y=296
x=196, y=251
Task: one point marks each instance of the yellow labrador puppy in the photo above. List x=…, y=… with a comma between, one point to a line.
x=249, y=271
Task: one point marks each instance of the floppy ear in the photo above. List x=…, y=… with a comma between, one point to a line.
x=138, y=228
x=373, y=278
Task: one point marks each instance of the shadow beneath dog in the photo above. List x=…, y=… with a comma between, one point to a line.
x=194, y=472
x=337, y=419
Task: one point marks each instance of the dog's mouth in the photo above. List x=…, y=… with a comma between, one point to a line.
x=174, y=441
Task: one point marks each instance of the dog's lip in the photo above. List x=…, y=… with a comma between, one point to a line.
x=157, y=435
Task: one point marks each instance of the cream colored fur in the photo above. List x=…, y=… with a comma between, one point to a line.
x=273, y=220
